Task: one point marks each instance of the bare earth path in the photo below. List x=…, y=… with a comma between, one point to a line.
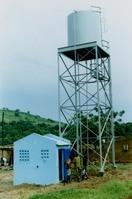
x=8, y=191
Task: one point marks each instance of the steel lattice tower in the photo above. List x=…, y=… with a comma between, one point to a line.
x=85, y=94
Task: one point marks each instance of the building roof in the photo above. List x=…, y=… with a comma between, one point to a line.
x=57, y=139
x=6, y=147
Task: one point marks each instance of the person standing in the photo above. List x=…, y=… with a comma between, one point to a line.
x=77, y=163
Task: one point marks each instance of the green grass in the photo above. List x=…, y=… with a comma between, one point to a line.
x=125, y=166
x=120, y=166
x=111, y=190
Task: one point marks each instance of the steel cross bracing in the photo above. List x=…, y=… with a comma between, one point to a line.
x=85, y=98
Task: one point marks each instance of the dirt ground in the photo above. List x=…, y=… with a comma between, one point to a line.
x=8, y=191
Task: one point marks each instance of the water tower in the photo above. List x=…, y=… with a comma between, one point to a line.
x=85, y=89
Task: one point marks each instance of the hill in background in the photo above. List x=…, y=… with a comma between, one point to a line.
x=19, y=124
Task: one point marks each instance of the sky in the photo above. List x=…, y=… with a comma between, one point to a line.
x=30, y=33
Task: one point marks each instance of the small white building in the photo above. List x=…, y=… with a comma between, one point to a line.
x=40, y=159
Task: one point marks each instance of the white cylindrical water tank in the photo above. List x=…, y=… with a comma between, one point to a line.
x=84, y=27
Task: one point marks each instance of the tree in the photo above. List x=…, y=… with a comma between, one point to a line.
x=17, y=112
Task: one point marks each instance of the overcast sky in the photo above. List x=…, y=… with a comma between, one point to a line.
x=30, y=33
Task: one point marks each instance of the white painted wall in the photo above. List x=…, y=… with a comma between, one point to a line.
x=36, y=170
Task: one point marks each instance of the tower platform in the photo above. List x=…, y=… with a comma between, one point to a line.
x=86, y=51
